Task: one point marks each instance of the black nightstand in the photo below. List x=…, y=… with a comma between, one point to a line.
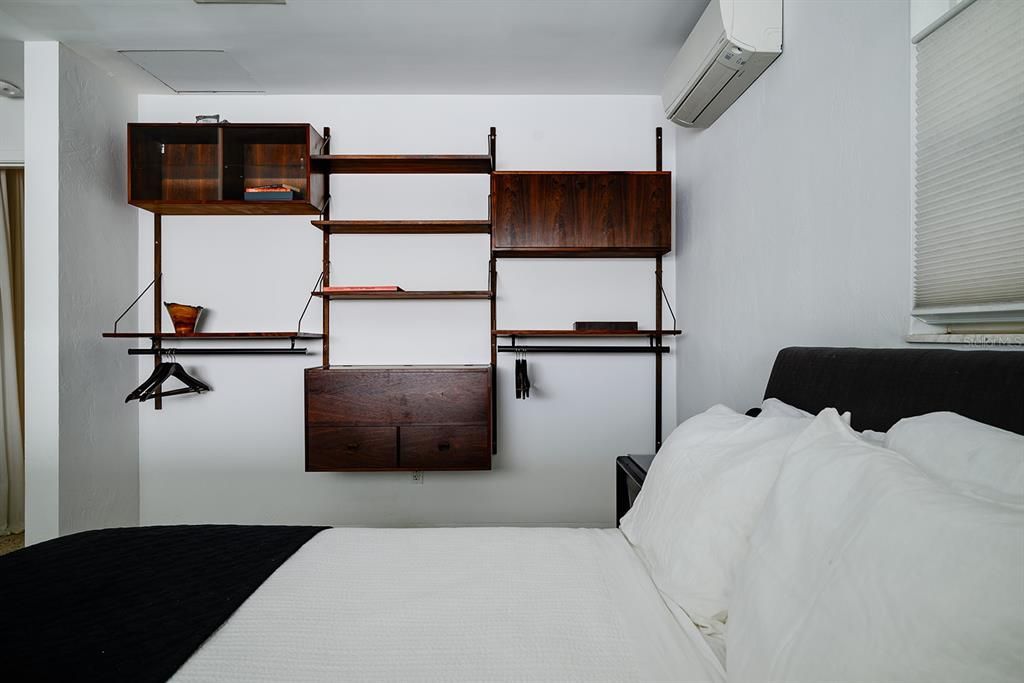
x=630, y=472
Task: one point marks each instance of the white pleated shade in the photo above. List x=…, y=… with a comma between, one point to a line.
x=969, y=180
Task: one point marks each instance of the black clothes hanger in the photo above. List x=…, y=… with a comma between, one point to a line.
x=163, y=372
x=526, y=379
x=518, y=377
x=522, y=376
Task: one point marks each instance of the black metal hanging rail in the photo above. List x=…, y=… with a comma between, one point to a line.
x=583, y=349
x=165, y=351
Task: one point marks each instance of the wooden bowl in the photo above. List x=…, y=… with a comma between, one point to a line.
x=183, y=317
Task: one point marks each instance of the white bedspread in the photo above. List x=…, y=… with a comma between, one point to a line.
x=465, y=604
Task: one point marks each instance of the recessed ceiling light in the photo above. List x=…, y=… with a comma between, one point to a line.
x=239, y=2
x=8, y=89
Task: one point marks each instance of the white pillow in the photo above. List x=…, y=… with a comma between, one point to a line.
x=715, y=423
x=773, y=407
x=692, y=521
x=864, y=568
x=974, y=457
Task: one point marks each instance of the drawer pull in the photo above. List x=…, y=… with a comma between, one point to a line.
x=352, y=447
x=444, y=446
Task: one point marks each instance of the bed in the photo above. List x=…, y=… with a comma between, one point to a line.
x=237, y=603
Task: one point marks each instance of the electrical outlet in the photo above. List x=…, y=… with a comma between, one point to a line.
x=417, y=477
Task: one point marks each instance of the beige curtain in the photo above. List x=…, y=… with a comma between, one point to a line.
x=12, y=453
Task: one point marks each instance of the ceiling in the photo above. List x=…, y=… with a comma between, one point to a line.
x=379, y=46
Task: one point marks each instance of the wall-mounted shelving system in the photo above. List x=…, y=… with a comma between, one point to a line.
x=204, y=169
x=190, y=169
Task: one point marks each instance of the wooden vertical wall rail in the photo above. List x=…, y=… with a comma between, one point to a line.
x=325, y=358
x=492, y=148
x=657, y=318
x=158, y=402
x=657, y=356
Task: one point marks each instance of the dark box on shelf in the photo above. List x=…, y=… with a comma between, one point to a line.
x=600, y=326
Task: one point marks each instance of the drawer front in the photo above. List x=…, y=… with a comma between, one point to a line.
x=346, y=448
x=445, y=446
x=397, y=397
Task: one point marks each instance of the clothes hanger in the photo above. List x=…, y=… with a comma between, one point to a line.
x=163, y=372
x=160, y=373
x=526, y=378
x=519, y=375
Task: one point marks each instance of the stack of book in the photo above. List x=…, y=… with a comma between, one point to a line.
x=279, y=192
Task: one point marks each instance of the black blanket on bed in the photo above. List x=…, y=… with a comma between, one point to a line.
x=129, y=604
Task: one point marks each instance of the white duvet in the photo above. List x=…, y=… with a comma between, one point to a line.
x=463, y=604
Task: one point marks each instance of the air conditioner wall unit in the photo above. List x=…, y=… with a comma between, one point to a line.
x=731, y=45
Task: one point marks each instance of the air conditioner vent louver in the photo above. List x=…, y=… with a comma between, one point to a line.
x=731, y=45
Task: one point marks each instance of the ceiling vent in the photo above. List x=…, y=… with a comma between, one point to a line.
x=194, y=71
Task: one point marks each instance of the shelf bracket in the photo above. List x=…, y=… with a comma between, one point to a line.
x=132, y=305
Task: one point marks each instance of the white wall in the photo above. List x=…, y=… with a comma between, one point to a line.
x=99, y=472
x=236, y=454
x=81, y=266
x=42, y=290
x=793, y=218
x=12, y=112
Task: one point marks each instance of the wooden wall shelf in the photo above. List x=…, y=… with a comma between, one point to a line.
x=404, y=227
x=205, y=169
x=373, y=296
x=579, y=252
x=402, y=163
x=213, y=335
x=585, y=333
x=229, y=207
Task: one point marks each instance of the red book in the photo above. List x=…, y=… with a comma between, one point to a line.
x=382, y=288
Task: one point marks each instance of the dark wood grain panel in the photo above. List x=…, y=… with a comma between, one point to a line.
x=581, y=214
x=402, y=163
x=336, y=448
x=397, y=396
x=228, y=208
x=444, y=447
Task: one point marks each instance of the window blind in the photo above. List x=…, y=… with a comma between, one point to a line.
x=969, y=176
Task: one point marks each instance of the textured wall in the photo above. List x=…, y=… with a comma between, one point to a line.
x=12, y=112
x=99, y=472
x=236, y=454
x=793, y=218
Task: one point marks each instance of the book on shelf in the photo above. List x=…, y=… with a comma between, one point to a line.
x=279, y=191
x=356, y=290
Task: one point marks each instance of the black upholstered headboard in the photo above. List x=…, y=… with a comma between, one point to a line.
x=881, y=386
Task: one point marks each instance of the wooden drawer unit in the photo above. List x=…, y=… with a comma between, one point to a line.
x=398, y=418
x=539, y=213
x=429, y=447
x=333, y=448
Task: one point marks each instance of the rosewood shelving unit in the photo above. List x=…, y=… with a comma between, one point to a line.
x=188, y=169
x=585, y=214
x=397, y=418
